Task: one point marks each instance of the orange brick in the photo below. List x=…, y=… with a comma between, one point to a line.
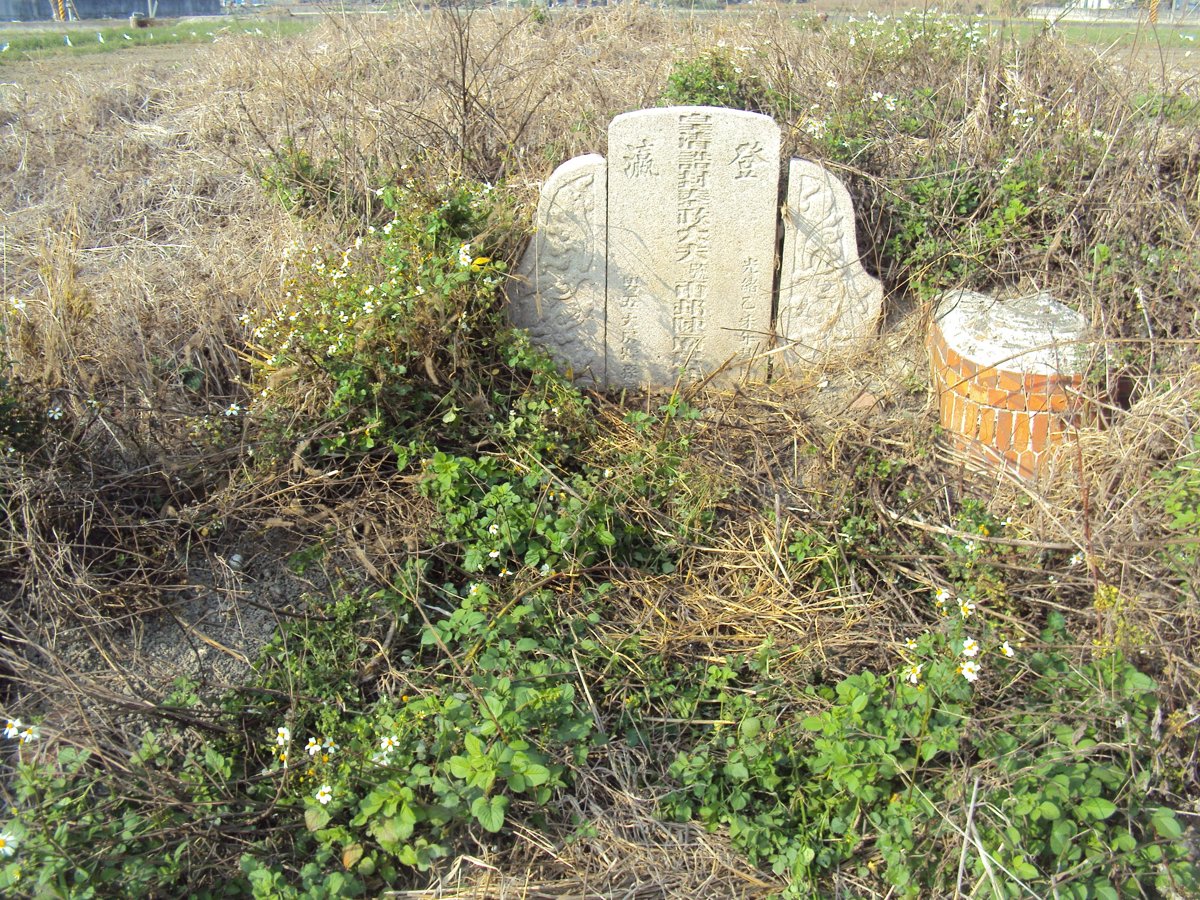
x=1037, y=401
x=1004, y=426
x=977, y=392
x=936, y=358
x=987, y=377
x=952, y=360
x=1026, y=463
x=1010, y=382
x=1038, y=382
x=968, y=368
x=956, y=414
x=970, y=421
x=1060, y=402
x=1038, y=435
x=987, y=425
x=945, y=406
x=1020, y=435
x=1005, y=399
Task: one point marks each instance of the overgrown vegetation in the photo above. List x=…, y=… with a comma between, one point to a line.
x=551, y=640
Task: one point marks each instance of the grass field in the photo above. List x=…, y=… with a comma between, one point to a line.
x=317, y=580
x=51, y=41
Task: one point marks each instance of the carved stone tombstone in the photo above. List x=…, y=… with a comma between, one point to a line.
x=826, y=299
x=660, y=263
x=691, y=240
x=563, y=272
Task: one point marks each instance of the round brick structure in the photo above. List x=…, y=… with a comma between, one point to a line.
x=1007, y=375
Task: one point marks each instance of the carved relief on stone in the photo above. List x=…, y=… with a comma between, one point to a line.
x=827, y=301
x=661, y=265
x=559, y=294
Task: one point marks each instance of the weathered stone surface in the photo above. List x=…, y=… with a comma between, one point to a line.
x=692, y=193
x=560, y=292
x=827, y=301
x=1034, y=335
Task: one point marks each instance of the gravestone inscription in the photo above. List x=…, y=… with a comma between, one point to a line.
x=691, y=240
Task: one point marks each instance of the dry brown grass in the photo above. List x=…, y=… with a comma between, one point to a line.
x=137, y=230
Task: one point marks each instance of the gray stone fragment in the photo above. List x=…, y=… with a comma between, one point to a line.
x=827, y=301
x=559, y=292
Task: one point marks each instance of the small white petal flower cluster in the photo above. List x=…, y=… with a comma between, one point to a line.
x=15, y=731
x=283, y=743
x=889, y=102
x=387, y=744
x=327, y=748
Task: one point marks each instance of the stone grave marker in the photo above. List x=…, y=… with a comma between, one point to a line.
x=660, y=261
x=691, y=240
x=562, y=302
x=827, y=301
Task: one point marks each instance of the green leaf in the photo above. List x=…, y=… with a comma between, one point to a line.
x=351, y=855
x=859, y=703
x=460, y=767
x=489, y=811
x=750, y=728
x=1166, y=824
x=736, y=771
x=316, y=818
x=1097, y=808
x=536, y=774
x=1048, y=810
x=1025, y=870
